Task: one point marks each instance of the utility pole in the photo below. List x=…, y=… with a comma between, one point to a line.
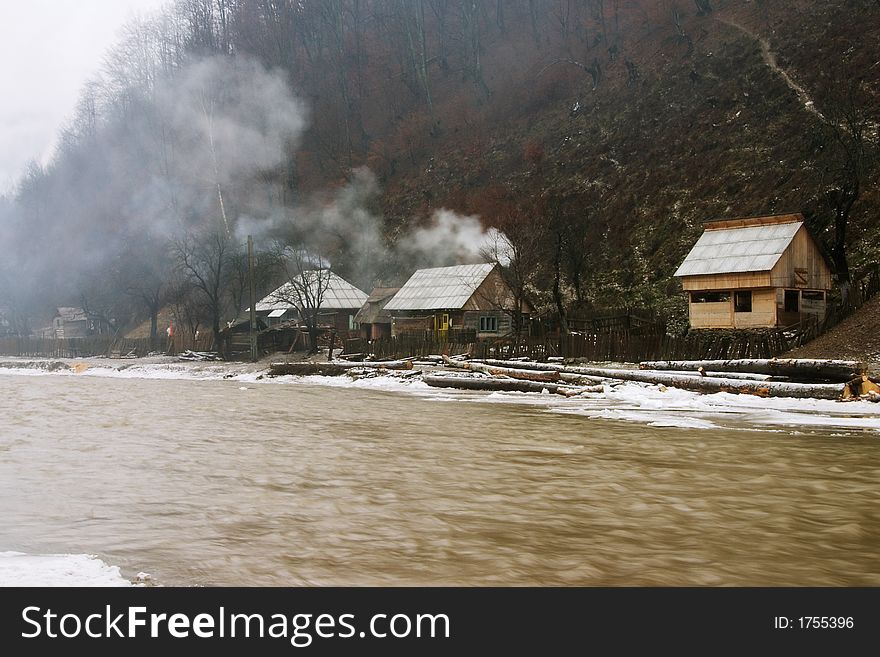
x=253, y=294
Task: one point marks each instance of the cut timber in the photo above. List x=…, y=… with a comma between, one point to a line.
x=862, y=387
x=735, y=386
x=698, y=383
x=526, y=375
x=564, y=371
x=795, y=368
x=335, y=368
x=505, y=385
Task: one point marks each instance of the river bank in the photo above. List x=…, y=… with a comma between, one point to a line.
x=630, y=402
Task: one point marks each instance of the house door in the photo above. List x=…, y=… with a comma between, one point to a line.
x=441, y=326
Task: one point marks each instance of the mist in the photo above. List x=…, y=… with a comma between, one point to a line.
x=204, y=149
x=189, y=155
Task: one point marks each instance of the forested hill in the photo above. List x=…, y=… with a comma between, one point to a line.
x=596, y=134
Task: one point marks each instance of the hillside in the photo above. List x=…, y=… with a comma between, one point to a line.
x=640, y=164
x=855, y=338
x=597, y=135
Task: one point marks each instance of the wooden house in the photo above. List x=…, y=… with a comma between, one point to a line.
x=755, y=272
x=374, y=320
x=463, y=298
x=340, y=302
x=71, y=323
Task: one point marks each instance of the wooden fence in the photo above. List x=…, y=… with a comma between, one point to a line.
x=100, y=346
x=620, y=346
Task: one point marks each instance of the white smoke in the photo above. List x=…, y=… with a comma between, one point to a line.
x=449, y=239
x=231, y=118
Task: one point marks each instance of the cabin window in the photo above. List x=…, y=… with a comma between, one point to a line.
x=710, y=297
x=488, y=324
x=813, y=295
x=792, y=298
x=742, y=302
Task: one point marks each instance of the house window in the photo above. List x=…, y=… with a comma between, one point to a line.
x=488, y=324
x=813, y=295
x=742, y=301
x=791, y=301
x=710, y=297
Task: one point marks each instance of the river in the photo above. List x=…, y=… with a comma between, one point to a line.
x=224, y=482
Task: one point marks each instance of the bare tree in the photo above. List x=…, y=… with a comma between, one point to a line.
x=187, y=307
x=850, y=160
x=145, y=277
x=307, y=280
x=516, y=249
x=205, y=262
x=412, y=18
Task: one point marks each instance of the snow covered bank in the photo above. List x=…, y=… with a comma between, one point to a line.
x=18, y=569
x=630, y=401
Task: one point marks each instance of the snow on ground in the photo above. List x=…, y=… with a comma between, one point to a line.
x=629, y=402
x=18, y=569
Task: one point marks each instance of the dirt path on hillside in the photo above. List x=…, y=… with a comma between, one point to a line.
x=770, y=59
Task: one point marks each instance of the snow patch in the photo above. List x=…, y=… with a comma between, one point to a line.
x=19, y=569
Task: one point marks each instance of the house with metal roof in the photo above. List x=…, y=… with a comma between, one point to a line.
x=755, y=272
x=471, y=298
x=339, y=300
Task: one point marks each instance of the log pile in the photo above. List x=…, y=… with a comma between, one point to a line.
x=335, y=368
x=510, y=379
x=503, y=384
x=817, y=379
x=791, y=368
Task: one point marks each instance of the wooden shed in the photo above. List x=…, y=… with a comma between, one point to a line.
x=373, y=319
x=755, y=272
x=471, y=298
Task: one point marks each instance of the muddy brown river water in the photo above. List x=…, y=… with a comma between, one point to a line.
x=204, y=482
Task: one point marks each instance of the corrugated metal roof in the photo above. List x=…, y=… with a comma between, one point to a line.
x=440, y=288
x=741, y=249
x=340, y=294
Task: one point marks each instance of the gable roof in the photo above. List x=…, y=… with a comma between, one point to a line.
x=440, y=288
x=71, y=314
x=339, y=295
x=374, y=309
x=748, y=245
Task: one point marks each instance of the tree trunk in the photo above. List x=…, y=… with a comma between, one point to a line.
x=505, y=385
x=698, y=383
x=529, y=375
x=569, y=377
x=796, y=368
x=334, y=369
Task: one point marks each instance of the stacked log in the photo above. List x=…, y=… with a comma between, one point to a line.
x=793, y=368
x=335, y=368
x=692, y=375
x=503, y=384
x=509, y=379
